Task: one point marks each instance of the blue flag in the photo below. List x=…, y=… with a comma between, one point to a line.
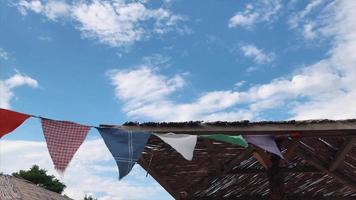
x=125, y=146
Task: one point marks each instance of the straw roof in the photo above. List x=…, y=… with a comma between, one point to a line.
x=320, y=161
x=13, y=188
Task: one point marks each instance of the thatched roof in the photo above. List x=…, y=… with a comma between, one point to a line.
x=308, y=127
x=13, y=188
x=320, y=161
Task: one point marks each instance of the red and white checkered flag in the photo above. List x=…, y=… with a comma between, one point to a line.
x=63, y=140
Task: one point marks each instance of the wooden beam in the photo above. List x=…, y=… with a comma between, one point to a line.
x=153, y=172
x=341, y=154
x=275, y=178
x=291, y=149
x=319, y=165
x=262, y=157
x=305, y=128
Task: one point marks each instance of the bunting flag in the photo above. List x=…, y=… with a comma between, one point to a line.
x=10, y=120
x=63, y=140
x=125, y=146
x=265, y=142
x=182, y=143
x=233, y=139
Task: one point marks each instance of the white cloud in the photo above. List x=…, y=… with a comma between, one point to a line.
x=243, y=19
x=56, y=9
x=324, y=89
x=240, y=84
x=260, y=11
x=92, y=170
x=298, y=17
x=34, y=5
x=258, y=55
x=308, y=32
x=114, y=22
x=45, y=38
x=301, y=20
x=147, y=94
x=3, y=54
x=52, y=9
x=128, y=86
x=157, y=60
x=8, y=85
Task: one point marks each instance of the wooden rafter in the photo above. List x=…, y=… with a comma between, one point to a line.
x=262, y=157
x=297, y=169
x=289, y=197
x=319, y=165
x=341, y=154
x=202, y=183
x=238, y=159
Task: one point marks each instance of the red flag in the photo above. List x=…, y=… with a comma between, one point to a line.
x=10, y=120
x=63, y=140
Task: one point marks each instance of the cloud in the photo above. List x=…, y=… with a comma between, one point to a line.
x=240, y=84
x=128, y=85
x=302, y=20
x=117, y=23
x=320, y=90
x=298, y=17
x=308, y=32
x=153, y=100
x=45, y=38
x=158, y=60
x=261, y=11
x=8, y=85
x=51, y=9
x=256, y=54
x=92, y=170
x=3, y=54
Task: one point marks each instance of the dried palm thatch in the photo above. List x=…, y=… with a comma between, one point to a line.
x=13, y=188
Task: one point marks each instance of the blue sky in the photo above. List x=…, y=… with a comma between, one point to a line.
x=113, y=61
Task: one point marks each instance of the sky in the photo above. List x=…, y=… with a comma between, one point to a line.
x=111, y=61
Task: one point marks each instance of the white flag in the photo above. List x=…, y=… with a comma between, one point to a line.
x=182, y=143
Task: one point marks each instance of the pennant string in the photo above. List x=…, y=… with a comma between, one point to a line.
x=40, y=117
x=63, y=139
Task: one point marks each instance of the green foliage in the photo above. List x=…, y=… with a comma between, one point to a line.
x=89, y=198
x=39, y=177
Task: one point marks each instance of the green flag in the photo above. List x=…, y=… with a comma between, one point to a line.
x=233, y=139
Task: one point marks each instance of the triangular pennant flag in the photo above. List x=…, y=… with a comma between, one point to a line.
x=63, y=140
x=10, y=120
x=182, y=143
x=233, y=139
x=265, y=142
x=125, y=146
